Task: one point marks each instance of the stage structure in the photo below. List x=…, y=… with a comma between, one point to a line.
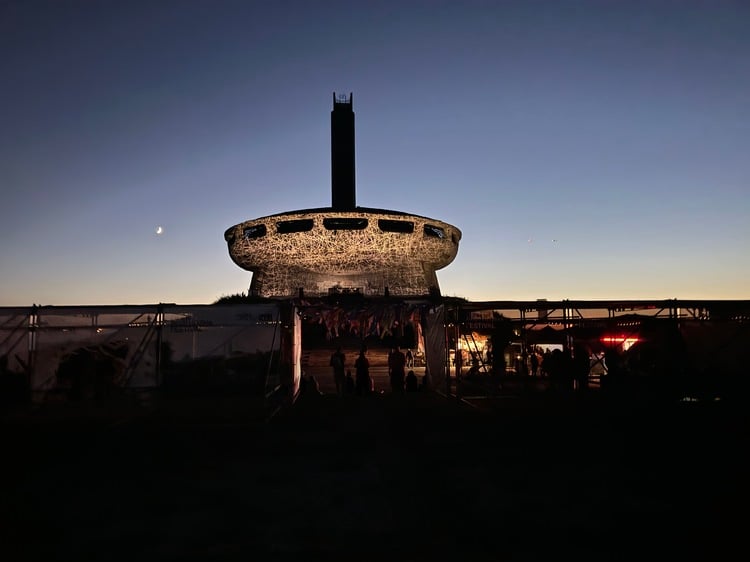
x=343, y=248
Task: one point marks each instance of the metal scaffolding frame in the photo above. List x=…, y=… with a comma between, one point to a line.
x=36, y=341
x=720, y=327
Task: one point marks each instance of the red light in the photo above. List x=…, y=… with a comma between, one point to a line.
x=625, y=341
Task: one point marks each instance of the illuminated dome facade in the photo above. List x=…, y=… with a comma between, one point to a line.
x=343, y=248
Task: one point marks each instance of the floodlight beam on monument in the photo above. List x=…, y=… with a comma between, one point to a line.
x=343, y=248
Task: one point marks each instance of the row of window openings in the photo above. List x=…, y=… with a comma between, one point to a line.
x=305, y=225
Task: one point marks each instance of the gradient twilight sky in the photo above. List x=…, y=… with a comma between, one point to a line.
x=586, y=149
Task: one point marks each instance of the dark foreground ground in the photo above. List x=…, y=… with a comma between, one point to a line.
x=400, y=478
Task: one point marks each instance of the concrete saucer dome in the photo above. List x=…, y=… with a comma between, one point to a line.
x=343, y=248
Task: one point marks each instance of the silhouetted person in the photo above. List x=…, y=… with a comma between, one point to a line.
x=348, y=383
x=524, y=363
x=534, y=363
x=568, y=372
x=581, y=367
x=613, y=364
x=313, y=386
x=557, y=369
x=337, y=362
x=362, y=368
x=544, y=367
x=424, y=384
x=409, y=359
x=309, y=385
x=412, y=384
x=396, y=369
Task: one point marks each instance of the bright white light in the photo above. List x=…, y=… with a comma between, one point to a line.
x=159, y=230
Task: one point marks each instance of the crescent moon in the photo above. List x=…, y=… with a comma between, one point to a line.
x=159, y=230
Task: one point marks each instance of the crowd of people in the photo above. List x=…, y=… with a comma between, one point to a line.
x=564, y=369
x=402, y=380
x=401, y=375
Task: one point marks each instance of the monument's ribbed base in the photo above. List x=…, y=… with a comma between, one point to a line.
x=413, y=280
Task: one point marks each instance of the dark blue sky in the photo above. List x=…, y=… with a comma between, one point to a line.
x=585, y=149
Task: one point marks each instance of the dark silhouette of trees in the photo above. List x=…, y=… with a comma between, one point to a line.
x=239, y=298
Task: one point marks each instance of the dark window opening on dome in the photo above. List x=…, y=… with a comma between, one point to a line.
x=256, y=231
x=432, y=231
x=388, y=225
x=300, y=225
x=345, y=224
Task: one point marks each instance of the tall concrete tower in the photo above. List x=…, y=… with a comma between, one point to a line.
x=343, y=179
